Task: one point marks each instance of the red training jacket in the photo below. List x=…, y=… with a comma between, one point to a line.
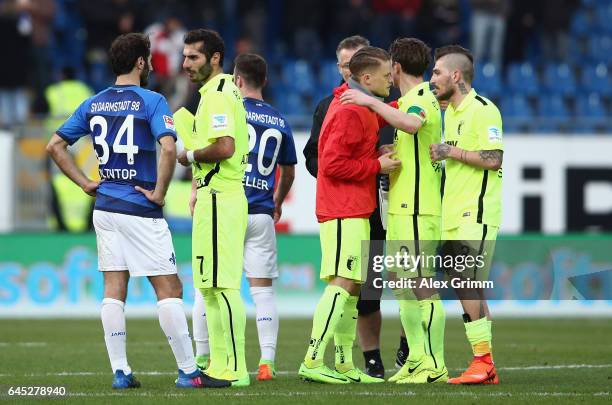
x=348, y=161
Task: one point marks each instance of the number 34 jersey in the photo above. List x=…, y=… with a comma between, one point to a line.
x=125, y=122
x=270, y=143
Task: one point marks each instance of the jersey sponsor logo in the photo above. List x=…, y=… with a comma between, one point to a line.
x=219, y=121
x=495, y=134
x=172, y=259
x=169, y=122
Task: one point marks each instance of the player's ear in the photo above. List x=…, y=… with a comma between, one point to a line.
x=216, y=57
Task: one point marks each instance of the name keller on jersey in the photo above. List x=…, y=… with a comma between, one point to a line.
x=265, y=119
x=260, y=184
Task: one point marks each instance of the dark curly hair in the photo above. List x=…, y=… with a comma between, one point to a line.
x=212, y=42
x=125, y=51
x=413, y=55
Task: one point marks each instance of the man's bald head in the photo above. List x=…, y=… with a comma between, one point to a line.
x=456, y=57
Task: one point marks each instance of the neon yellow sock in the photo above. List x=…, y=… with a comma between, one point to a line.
x=434, y=321
x=479, y=335
x=233, y=319
x=344, y=337
x=410, y=315
x=216, y=340
x=324, y=323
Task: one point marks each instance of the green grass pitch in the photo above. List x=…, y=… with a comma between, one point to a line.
x=539, y=360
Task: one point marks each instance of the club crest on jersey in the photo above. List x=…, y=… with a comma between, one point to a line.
x=169, y=122
x=351, y=262
x=219, y=121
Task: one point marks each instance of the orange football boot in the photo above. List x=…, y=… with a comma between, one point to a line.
x=481, y=371
x=266, y=372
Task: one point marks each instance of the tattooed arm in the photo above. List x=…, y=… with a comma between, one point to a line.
x=483, y=159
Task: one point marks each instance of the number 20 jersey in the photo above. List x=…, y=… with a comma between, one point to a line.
x=270, y=143
x=124, y=122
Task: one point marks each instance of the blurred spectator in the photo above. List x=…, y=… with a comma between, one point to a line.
x=15, y=31
x=555, y=17
x=70, y=207
x=302, y=27
x=522, y=24
x=104, y=21
x=39, y=14
x=488, y=29
x=392, y=19
x=351, y=17
x=167, y=56
x=64, y=97
x=69, y=33
x=440, y=23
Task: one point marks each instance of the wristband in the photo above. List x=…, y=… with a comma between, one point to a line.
x=190, y=157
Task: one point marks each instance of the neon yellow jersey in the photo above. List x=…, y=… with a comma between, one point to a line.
x=472, y=194
x=415, y=187
x=221, y=113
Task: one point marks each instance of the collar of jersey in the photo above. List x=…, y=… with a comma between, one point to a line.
x=353, y=84
x=467, y=100
x=214, y=82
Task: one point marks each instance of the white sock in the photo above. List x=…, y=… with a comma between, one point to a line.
x=174, y=324
x=267, y=320
x=113, y=323
x=200, y=329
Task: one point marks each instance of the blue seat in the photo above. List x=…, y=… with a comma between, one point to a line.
x=328, y=73
x=487, y=80
x=517, y=113
x=298, y=75
x=553, y=114
x=590, y=114
x=596, y=79
x=291, y=103
x=581, y=23
x=600, y=48
x=560, y=79
x=604, y=18
x=522, y=79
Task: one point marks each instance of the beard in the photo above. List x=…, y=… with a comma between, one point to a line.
x=144, y=76
x=202, y=74
x=445, y=95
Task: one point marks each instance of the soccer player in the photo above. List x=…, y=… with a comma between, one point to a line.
x=218, y=202
x=270, y=143
x=471, y=206
x=133, y=238
x=346, y=197
x=413, y=223
x=369, y=317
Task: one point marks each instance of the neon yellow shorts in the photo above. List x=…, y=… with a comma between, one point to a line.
x=219, y=227
x=414, y=235
x=341, y=249
x=471, y=239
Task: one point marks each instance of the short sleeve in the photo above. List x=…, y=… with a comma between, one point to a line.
x=161, y=120
x=287, y=155
x=489, y=127
x=218, y=116
x=76, y=126
x=418, y=112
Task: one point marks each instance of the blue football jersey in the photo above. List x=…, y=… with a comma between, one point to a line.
x=270, y=143
x=125, y=122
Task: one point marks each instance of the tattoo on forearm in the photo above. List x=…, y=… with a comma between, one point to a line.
x=443, y=150
x=494, y=156
x=462, y=88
